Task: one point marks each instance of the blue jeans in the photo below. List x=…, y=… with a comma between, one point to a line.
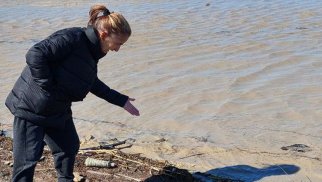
x=28, y=144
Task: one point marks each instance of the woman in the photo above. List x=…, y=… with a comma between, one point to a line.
x=60, y=70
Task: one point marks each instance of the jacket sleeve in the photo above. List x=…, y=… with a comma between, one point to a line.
x=101, y=90
x=41, y=55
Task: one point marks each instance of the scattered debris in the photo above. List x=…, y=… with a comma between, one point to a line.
x=8, y=163
x=78, y=177
x=2, y=133
x=128, y=167
x=161, y=140
x=108, y=146
x=201, y=139
x=297, y=148
x=198, y=154
x=89, y=137
x=118, y=175
x=41, y=158
x=90, y=162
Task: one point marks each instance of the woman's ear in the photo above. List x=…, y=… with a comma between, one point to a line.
x=103, y=34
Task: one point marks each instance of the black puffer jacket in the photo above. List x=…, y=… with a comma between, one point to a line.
x=60, y=70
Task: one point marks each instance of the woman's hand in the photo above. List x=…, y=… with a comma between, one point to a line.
x=130, y=108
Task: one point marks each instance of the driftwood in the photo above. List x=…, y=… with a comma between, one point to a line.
x=45, y=169
x=191, y=155
x=118, y=175
x=109, y=146
x=137, y=162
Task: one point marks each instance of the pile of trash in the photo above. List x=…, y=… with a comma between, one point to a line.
x=101, y=161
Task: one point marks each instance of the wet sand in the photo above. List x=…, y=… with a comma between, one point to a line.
x=221, y=85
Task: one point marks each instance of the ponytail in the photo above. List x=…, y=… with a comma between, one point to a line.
x=102, y=19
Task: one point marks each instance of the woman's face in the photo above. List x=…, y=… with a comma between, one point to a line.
x=112, y=42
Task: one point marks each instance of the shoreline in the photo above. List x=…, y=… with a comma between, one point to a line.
x=236, y=163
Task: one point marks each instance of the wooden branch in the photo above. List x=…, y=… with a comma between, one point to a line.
x=112, y=152
x=137, y=162
x=109, y=146
x=44, y=169
x=118, y=175
x=191, y=155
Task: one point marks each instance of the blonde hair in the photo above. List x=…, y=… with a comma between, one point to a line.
x=102, y=19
